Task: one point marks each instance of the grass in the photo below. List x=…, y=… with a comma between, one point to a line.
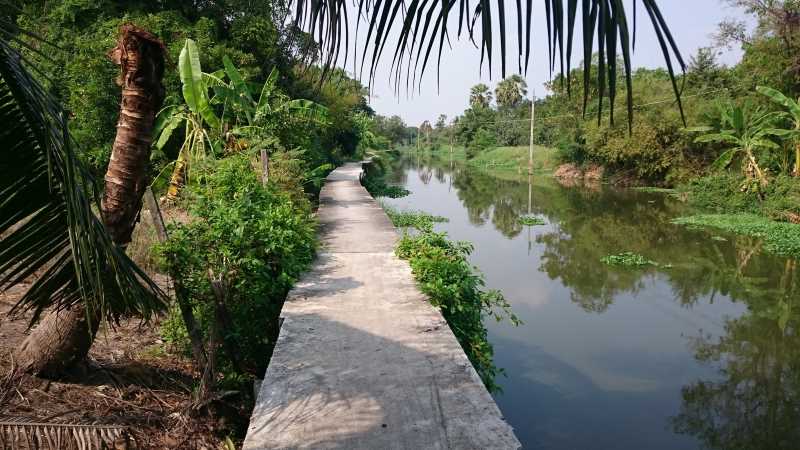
x=544, y=158
x=630, y=259
x=780, y=238
x=531, y=220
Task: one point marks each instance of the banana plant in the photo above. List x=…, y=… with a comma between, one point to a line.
x=793, y=110
x=270, y=109
x=197, y=117
x=746, y=132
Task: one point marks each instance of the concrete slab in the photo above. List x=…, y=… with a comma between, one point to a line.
x=363, y=361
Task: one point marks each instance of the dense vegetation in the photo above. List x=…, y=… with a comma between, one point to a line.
x=248, y=129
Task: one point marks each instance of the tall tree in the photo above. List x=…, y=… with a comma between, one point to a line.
x=510, y=92
x=480, y=96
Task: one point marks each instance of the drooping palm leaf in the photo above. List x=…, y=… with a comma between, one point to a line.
x=49, y=232
x=421, y=26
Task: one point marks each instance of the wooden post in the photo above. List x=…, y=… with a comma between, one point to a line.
x=192, y=327
x=264, y=166
x=155, y=214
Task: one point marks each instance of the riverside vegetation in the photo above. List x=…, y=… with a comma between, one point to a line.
x=732, y=147
x=452, y=284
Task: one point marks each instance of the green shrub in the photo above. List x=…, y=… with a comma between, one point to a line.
x=722, y=193
x=452, y=284
x=482, y=140
x=258, y=239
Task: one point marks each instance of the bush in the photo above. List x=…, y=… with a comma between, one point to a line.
x=452, y=284
x=258, y=239
x=482, y=140
x=722, y=193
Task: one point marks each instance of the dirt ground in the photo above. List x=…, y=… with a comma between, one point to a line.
x=130, y=379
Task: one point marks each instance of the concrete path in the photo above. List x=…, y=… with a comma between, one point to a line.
x=363, y=361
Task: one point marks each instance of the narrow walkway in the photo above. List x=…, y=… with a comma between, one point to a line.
x=363, y=361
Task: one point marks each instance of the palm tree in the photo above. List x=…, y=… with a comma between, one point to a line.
x=421, y=27
x=50, y=233
x=745, y=131
x=480, y=96
x=510, y=92
x=793, y=109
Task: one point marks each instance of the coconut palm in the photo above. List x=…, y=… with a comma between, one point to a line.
x=51, y=237
x=793, y=110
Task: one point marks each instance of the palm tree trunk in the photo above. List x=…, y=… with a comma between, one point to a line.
x=141, y=56
x=65, y=337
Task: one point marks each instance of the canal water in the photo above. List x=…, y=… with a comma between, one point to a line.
x=700, y=352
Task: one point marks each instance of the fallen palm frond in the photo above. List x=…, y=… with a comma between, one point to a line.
x=19, y=434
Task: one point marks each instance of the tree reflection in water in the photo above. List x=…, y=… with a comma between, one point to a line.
x=754, y=402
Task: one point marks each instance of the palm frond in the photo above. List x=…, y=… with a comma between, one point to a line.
x=422, y=26
x=50, y=232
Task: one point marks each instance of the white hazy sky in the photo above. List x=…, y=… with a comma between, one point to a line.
x=691, y=21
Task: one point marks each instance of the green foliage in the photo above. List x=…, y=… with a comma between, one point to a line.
x=418, y=220
x=722, y=193
x=257, y=239
x=483, y=140
x=629, y=259
x=779, y=237
x=531, y=221
x=453, y=285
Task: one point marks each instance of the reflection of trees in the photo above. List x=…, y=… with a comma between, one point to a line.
x=755, y=403
x=588, y=225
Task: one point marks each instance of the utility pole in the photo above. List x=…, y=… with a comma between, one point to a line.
x=530, y=145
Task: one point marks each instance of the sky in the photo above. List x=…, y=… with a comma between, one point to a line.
x=692, y=22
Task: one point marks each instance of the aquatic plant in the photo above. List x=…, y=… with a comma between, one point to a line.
x=629, y=259
x=531, y=220
x=780, y=238
x=419, y=220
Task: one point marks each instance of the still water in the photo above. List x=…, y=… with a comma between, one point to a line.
x=704, y=353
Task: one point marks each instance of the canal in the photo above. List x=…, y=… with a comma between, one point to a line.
x=701, y=351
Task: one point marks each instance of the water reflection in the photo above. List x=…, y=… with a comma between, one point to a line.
x=705, y=353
